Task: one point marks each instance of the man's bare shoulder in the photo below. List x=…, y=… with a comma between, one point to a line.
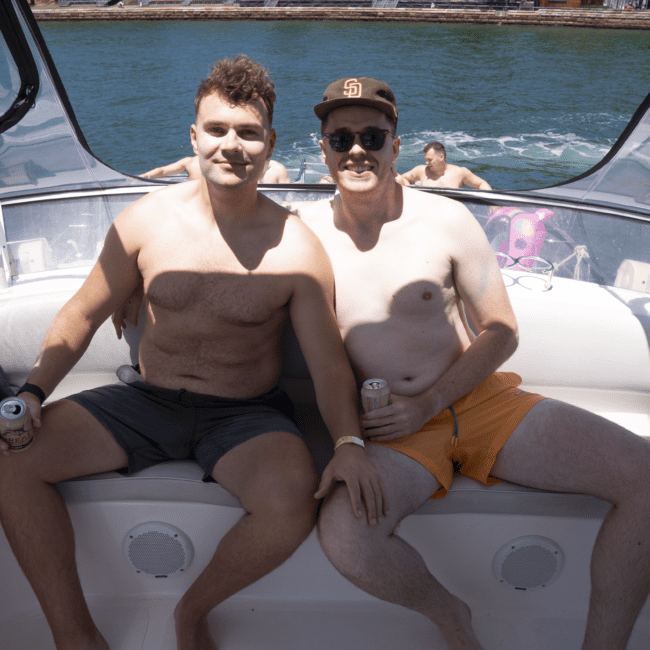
x=440, y=215
x=312, y=211
x=428, y=201
x=302, y=250
x=298, y=226
x=463, y=172
x=417, y=173
x=168, y=195
x=156, y=205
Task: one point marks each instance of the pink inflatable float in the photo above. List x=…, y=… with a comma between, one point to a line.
x=517, y=234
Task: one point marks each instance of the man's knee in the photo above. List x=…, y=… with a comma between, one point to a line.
x=18, y=477
x=287, y=497
x=342, y=536
x=628, y=480
x=18, y=468
x=634, y=479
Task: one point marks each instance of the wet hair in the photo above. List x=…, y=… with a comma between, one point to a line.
x=438, y=147
x=241, y=81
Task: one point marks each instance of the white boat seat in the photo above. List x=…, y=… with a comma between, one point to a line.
x=182, y=481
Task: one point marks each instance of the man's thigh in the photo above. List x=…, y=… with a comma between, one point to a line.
x=563, y=448
x=270, y=466
x=69, y=443
x=406, y=485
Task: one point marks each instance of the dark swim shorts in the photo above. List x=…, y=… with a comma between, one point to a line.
x=155, y=424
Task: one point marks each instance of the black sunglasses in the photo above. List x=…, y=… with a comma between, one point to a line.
x=373, y=139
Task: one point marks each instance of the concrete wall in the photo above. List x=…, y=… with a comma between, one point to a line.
x=545, y=17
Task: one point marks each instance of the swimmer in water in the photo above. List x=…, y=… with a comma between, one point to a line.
x=437, y=172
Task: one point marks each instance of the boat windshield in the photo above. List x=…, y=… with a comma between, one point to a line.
x=58, y=234
x=57, y=200
x=41, y=145
x=623, y=176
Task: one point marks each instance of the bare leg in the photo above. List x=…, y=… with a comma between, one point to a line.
x=560, y=447
x=70, y=443
x=273, y=476
x=380, y=562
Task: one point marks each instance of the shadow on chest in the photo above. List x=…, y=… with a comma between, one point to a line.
x=242, y=299
x=422, y=299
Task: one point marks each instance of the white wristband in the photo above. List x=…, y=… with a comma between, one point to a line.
x=349, y=439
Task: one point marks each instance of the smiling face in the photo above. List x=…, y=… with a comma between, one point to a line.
x=232, y=142
x=359, y=169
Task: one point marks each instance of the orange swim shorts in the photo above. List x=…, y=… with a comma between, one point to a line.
x=485, y=418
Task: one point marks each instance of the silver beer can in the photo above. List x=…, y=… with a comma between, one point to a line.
x=375, y=393
x=16, y=424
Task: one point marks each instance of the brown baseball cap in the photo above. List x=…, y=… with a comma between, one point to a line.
x=357, y=91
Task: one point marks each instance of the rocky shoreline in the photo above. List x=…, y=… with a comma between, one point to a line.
x=599, y=19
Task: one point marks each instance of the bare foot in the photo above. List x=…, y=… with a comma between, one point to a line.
x=459, y=634
x=192, y=634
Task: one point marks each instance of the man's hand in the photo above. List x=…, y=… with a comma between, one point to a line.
x=34, y=412
x=128, y=312
x=351, y=466
x=402, y=417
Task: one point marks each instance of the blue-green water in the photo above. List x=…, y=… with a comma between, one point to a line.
x=522, y=107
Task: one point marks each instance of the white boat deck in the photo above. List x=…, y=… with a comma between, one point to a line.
x=147, y=624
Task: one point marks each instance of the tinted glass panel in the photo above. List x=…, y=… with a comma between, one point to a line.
x=9, y=78
x=59, y=234
x=577, y=244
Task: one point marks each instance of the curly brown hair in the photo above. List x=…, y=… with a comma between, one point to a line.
x=241, y=81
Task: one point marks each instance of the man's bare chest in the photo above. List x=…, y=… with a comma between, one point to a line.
x=210, y=285
x=400, y=284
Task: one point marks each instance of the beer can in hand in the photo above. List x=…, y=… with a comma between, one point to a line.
x=375, y=393
x=16, y=424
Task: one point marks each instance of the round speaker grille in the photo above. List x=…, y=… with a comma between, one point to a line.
x=528, y=563
x=158, y=550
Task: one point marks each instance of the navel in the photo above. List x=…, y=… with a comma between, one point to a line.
x=427, y=295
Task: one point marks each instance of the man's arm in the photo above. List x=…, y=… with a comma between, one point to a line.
x=414, y=175
x=110, y=282
x=472, y=180
x=178, y=167
x=479, y=284
x=281, y=174
x=129, y=311
x=314, y=322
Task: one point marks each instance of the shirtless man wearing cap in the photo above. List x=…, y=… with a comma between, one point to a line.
x=437, y=172
x=404, y=261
